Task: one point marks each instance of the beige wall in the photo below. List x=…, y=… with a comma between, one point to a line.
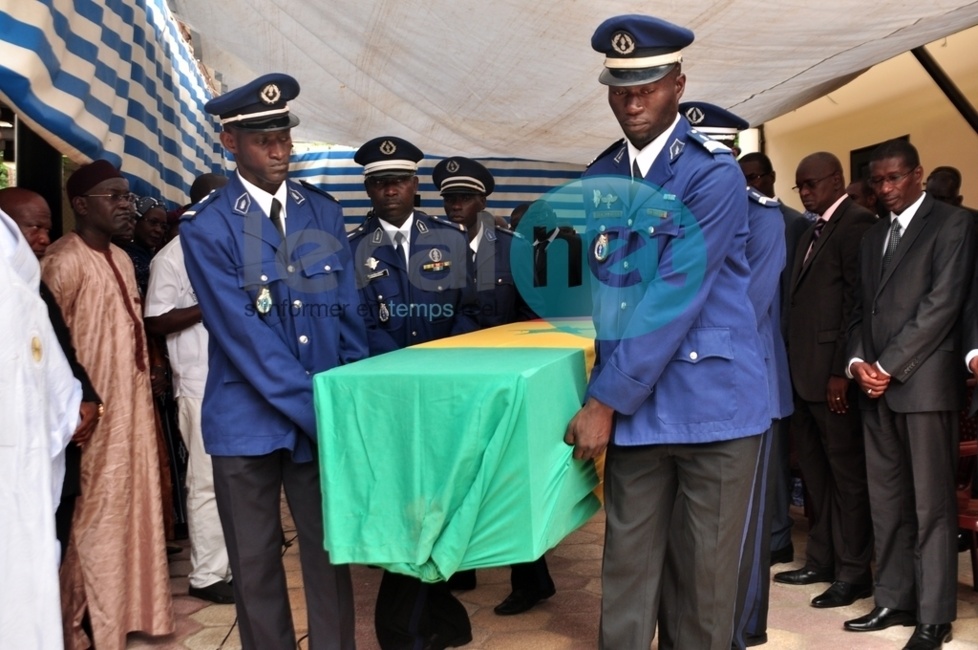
x=894, y=98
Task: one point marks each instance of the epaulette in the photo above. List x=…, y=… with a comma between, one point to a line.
x=715, y=147
x=191, y=213
x=361, y=229
x=445, y=222
x=607, y=151
x=511, y=233
x=310, y=186
x=766, y=201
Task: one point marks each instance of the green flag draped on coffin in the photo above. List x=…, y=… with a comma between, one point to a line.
x=441, y=459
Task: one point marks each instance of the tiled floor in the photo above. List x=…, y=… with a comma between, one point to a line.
x=569, y=620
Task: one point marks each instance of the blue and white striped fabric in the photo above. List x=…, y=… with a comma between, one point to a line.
x=517, y=181
x=111, y=79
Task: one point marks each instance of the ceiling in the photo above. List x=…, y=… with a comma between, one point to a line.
x=514, y=78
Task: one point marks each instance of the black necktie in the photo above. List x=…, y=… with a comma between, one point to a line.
x=816, y=233
x=636, y=172
x=399, y=240
x=276, y=217
x=891, y=245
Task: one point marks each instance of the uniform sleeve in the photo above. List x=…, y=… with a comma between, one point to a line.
x=766, y=253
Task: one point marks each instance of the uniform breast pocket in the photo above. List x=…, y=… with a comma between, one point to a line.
x=263, y=284
x=697, y=384
x=321, y=276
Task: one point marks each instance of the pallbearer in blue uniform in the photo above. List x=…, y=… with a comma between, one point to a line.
x=679, y=401
x=464, y=185
x=766, y=254
x=411, y=267
x=412, y=275
x=270, y=264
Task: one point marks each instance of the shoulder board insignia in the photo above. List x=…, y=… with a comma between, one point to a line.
x=715, y=147
x=757, y=197
x=356, y=232
x=445, y=222
x=607, y=151
x=243, y=204
x=317, y=190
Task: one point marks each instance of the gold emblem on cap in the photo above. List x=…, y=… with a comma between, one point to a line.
x=623, y=42
x=270, y=94
x=452, y=166
x=387, y=147
x=695, y=115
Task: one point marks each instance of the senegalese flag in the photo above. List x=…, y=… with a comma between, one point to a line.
x=449, y=455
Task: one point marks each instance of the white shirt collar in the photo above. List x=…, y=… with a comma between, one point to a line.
x=651, y=151
x=264, y=199
x=832, y=208
x=908, y=214
x=405, y=229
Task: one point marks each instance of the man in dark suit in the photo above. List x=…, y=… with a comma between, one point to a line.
x=827, y=428
x=915, y=271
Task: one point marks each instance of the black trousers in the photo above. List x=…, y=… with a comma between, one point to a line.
x=411, y=614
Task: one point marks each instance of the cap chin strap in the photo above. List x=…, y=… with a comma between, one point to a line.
x=254, y=116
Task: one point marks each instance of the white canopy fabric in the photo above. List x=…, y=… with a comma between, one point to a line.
x=516, y=78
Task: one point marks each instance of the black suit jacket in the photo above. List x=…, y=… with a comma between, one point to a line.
x=821, y=299
x=908, y=319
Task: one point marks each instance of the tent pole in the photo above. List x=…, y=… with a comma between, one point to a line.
x=947, y=86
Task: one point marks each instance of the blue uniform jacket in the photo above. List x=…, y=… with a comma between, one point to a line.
x=766, y=255
x=273, y=319
x=678, y=352
x=499, y=299
x=428, y=300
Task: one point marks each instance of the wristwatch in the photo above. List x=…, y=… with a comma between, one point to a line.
x=101, y=411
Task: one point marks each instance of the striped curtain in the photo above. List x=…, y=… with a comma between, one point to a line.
x=111, y=79
x=517, y=181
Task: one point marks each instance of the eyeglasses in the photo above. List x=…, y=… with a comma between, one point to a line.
x=892, y=179
x=755, y=176
x=115, y=197
x=811, y=183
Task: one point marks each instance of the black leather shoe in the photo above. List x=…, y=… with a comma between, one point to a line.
x=751, y=640
x=783, y=555
x=440, y=642
x=880, y=619
x=520, y=601
x=841, y=594
x=220, y=592
x=929, y=637
x=803, y=576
